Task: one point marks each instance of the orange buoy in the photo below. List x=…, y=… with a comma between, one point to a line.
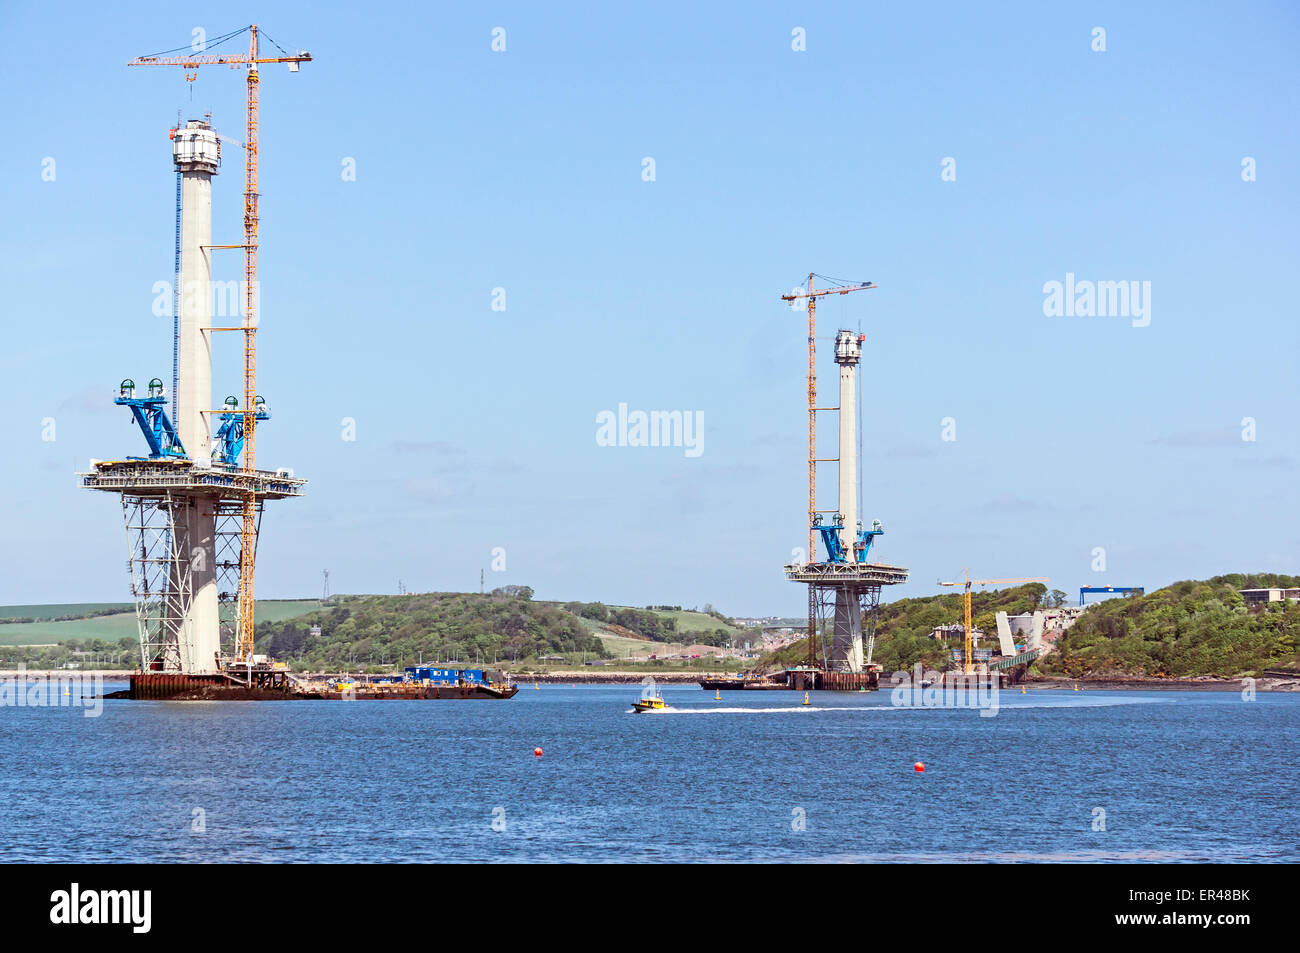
x=537, y=752
x=919, y=766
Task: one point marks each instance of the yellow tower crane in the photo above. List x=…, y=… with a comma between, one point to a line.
x=967, y=647
x=191, y=62
x=812, y=294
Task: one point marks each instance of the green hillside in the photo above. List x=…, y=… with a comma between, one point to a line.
x=502, y=627
x=622, y=643
x=1189, y=628
x=668, y=624
x=505, y=627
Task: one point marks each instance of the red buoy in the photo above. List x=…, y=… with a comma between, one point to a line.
x=919, y=766
x=537, y=752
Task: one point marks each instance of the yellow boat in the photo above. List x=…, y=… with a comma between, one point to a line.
x=649, y=703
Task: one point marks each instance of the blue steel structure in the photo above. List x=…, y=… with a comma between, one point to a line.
x=229, y=439
x=158, y=430
x=160, y=433
x=1085, y=590
x=831, y=540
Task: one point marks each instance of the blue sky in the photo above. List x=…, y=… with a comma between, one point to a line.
x=522, y=170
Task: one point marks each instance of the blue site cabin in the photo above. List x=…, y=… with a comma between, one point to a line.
x=446, y=676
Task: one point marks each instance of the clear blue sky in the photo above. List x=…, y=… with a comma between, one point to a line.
x=523, y=170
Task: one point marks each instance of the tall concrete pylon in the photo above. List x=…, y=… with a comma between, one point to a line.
x=846, y=646
x=848, y=353
x=196, y=150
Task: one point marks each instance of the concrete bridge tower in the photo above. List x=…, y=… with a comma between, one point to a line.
x=196, y=151
x=846, y=646
x=182, y=505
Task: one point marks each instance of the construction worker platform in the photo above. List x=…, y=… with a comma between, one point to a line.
x=180, y=475
x=858, y=574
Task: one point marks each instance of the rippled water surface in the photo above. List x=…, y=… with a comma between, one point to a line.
x=1181, y=776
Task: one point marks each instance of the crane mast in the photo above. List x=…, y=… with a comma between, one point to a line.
x=248, y=530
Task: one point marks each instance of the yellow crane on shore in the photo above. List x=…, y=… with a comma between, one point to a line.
x=967, y=647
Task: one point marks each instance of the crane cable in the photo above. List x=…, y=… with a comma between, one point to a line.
x=206, y=46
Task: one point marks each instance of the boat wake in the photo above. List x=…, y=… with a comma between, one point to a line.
x=1004, y=704
x=765, y=711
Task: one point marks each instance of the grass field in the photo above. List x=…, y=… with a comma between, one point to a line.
x=110, y=628
x=621, y=647
x=688, y=621
x=50, y=612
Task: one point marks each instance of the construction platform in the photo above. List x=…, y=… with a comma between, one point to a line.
x=855, y=574
x=181, y=476
x=163, y=686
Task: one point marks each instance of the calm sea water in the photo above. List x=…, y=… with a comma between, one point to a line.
x=1181, y=776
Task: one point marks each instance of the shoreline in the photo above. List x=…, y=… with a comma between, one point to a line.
x=1203, y=683
x=1195, y=683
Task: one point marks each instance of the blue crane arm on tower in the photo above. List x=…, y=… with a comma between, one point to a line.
x=229, y=440
x=158, y=430
x=160, y=433
x=830, y=534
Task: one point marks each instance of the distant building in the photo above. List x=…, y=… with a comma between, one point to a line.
x=1060, y=619
x=1258, y=597
x=955, y=630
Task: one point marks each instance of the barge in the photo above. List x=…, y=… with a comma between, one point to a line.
x=418, y=682
x=272, y=682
